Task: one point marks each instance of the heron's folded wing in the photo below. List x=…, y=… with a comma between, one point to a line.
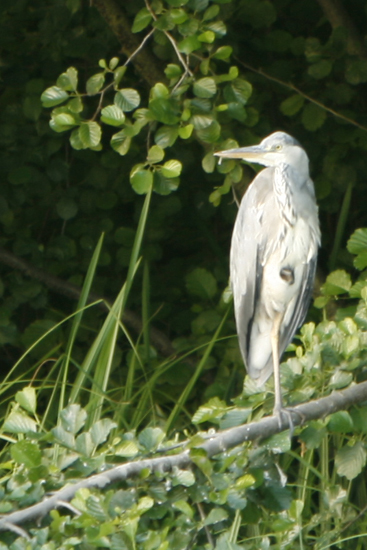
x=301, y=306
x=247, y=251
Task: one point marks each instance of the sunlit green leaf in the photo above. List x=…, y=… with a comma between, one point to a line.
x=90, y=133
x=19, y=423
x=141, y=20
x=54, y=96
x=350, y=460
x=68, y=81
x=27, y=453
x=112, y=115
x=27, y=399
x=205, y=87
x=171, y=169
x=141, y=179
x=95, y=83
x=127, y=99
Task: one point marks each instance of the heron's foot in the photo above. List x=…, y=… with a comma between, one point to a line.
x=286, y=413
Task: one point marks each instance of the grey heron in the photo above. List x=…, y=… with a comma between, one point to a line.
x=273, y=255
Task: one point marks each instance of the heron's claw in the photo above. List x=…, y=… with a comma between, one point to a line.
x=282, y=412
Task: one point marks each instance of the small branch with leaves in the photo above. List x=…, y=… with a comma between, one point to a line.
x=212, y=444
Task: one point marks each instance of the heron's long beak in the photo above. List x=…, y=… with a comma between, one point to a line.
x=254, y=153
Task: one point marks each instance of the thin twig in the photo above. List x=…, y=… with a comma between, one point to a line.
x=173, y=42
x=294, y=88
x=140, y=47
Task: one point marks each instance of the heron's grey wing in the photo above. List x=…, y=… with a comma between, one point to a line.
x=247, y=252
x=300, y=307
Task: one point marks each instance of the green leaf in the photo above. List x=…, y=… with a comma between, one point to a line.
x=27, y=399
x=112, y=115
x=155, y=154
x=208, y=163
x=90, y=134
x=313, y=117
x=207, y=37
x=245, y=481
x=127, y=99
x=113, y=63
x=235, y=417
x=178, y=16
x=201, y=283
x=201, y=460
x=189, y=44
x=68, y=81
x=213, y=409
x=163, y=185
x=350, y=461
x=236, y=500
x=121, y=142
x=84, y=444
x=211, y=12
x=101, y=430
x=66, y=208
x=54, y=96
x=141, y=179
x=313, y=435
x=241, y=90
x=205, y=87
x=218, y=27
x=340, y=422
x=166, y=136
x=292, y=105
x=141, y=20
x=211, y=134
x=62, y=119
x=127, y=449
x=224, y=52
x=73, y=418
x=185, y=131
x=357, y=244
x=171, y=169
x=173, y=71
x=183, y=507
x=320, y=69
x=338, y=282
x=151, y=438
x=27, y=453
x=75, y=140
x=95, y=83
x=164, y=110
x=278, y=443
x=182, y=477
x=19, y=423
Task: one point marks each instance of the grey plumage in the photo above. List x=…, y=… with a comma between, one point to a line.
x=273, y=253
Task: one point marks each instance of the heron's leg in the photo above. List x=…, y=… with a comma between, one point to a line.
x=278, y=403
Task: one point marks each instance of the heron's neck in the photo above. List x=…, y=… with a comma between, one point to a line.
x=283, y=188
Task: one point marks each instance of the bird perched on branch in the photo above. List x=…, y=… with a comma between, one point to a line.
x=273, y=254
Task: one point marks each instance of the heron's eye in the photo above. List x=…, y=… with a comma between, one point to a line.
x=278, y=147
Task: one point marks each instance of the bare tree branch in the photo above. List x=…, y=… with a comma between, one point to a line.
x=214, y=444
x=338, y=16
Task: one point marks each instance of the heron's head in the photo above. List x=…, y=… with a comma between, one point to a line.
x=275, y=149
